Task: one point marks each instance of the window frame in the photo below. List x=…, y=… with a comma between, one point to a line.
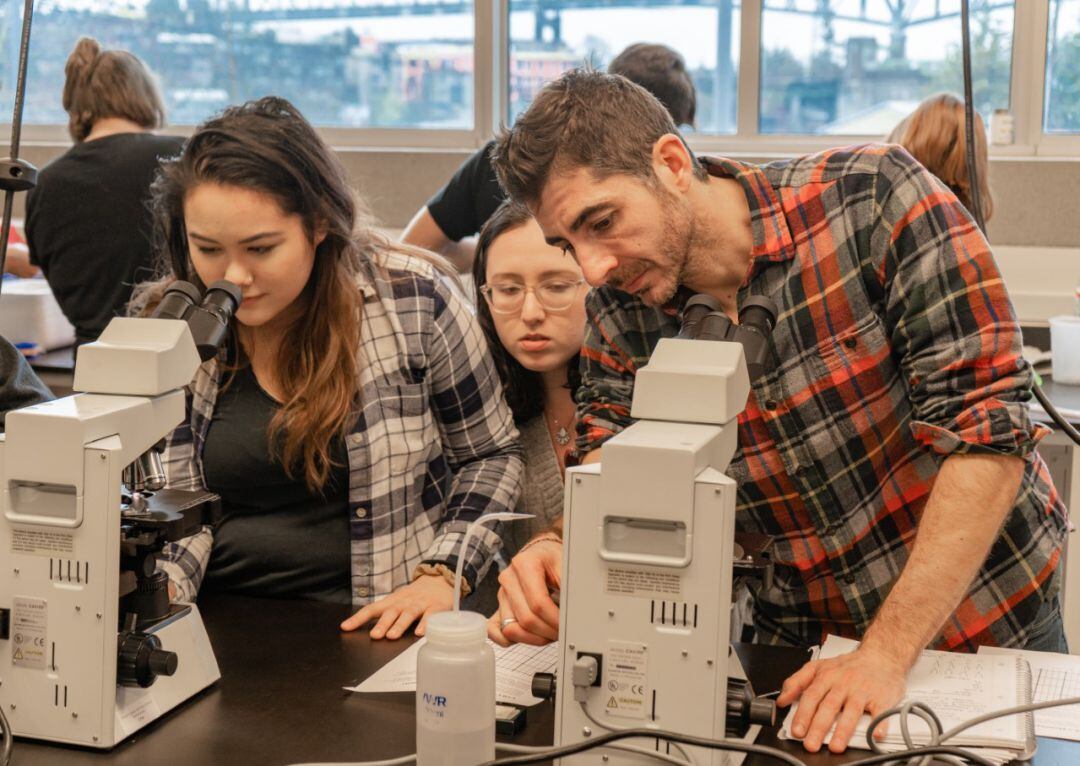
x=1048, y=144
x=491, y=78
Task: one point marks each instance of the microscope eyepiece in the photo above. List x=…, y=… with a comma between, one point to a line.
x=696, y=309
x=209, y=321
x=758, y=312
x=222, y=298
x=180, y=297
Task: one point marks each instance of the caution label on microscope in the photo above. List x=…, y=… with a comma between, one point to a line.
x=625, y=682
x=29, y=618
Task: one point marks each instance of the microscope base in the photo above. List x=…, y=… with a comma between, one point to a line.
x=184, y=634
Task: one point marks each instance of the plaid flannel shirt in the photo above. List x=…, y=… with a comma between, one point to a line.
x=434, y=444
x=896, y=346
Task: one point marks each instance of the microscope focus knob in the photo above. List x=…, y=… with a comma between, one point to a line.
x=763, y=711
x=140, y=660
x=543, y=685
x=744, y=709
x=163, y=662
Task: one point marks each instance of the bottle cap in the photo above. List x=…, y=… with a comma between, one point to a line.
x=456, y=628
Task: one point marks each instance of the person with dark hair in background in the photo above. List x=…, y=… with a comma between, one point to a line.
x=460, y=209
x=353, y=424
x=887, y=448
x=87, y=222
x=531, y=306
x=934, y=135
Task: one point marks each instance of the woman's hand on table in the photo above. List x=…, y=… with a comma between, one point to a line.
x=403, y=607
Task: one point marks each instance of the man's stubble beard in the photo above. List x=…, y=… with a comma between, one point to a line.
x=680, y=229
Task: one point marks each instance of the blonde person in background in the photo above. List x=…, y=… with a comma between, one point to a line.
x=87, y=220
x=934, y=135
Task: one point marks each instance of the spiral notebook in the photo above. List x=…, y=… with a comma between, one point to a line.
x=957, y=687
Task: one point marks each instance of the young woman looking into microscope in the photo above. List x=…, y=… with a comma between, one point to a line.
x=354, y=423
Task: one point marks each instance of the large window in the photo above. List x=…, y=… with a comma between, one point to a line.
x=548, y=37
x=856, y=67
x=348, y=63
x=1063, y=68
x=771, y=75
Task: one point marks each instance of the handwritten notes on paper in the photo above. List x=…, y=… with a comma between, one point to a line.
x=957, y=687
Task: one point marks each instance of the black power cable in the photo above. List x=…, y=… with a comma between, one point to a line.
x=976, y=200
x=643, y=733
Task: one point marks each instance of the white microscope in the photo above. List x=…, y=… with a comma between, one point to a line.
x=649, y=554
x=91, y=649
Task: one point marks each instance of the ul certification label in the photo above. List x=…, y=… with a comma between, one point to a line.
x=625, y=680
x=644, y=583
x=29, y=618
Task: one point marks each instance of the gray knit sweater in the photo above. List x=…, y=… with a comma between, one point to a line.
x=542, y=494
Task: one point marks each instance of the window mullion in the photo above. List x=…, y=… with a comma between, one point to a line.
x=1028, y=84
x=746, y=117
x=484, y=36
x=500, y=65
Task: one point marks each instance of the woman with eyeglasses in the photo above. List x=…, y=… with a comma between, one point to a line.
x=531, y=306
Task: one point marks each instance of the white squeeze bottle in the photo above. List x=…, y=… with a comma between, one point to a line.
x=455, y=681
x=455, y=692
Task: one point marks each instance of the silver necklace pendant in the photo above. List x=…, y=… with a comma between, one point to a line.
x=562, y=436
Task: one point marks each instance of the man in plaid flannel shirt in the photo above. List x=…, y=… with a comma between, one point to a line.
x=887, y=450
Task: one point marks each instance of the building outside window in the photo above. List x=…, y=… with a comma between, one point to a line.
x=856, y=67
x=814, y=67
x=547, y=37
x=344, y=63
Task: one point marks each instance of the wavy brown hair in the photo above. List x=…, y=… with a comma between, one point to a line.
x=934, y=135
x=267, y=146
x=108, y=83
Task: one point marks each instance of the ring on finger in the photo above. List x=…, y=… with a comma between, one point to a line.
x=507, y=622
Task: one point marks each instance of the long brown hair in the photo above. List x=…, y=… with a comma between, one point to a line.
x=108, y=83
x=934, y=135
x=268, y=146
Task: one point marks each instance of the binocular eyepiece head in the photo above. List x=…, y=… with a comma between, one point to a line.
x=207, y=316
x=703, y=319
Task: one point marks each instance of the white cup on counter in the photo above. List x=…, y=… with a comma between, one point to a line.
x=1065, y=349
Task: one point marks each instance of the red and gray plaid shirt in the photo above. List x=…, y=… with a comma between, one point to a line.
x=896, y=346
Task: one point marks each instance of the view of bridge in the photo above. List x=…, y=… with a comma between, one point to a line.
x=389, y=63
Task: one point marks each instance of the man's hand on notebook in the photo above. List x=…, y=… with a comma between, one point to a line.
x=839, y=690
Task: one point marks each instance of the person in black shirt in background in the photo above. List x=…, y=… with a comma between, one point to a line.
x=462, y=207
x=87, y=221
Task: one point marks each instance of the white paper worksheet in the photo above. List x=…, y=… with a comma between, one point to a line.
x=514, y=668
x=1053, y=676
